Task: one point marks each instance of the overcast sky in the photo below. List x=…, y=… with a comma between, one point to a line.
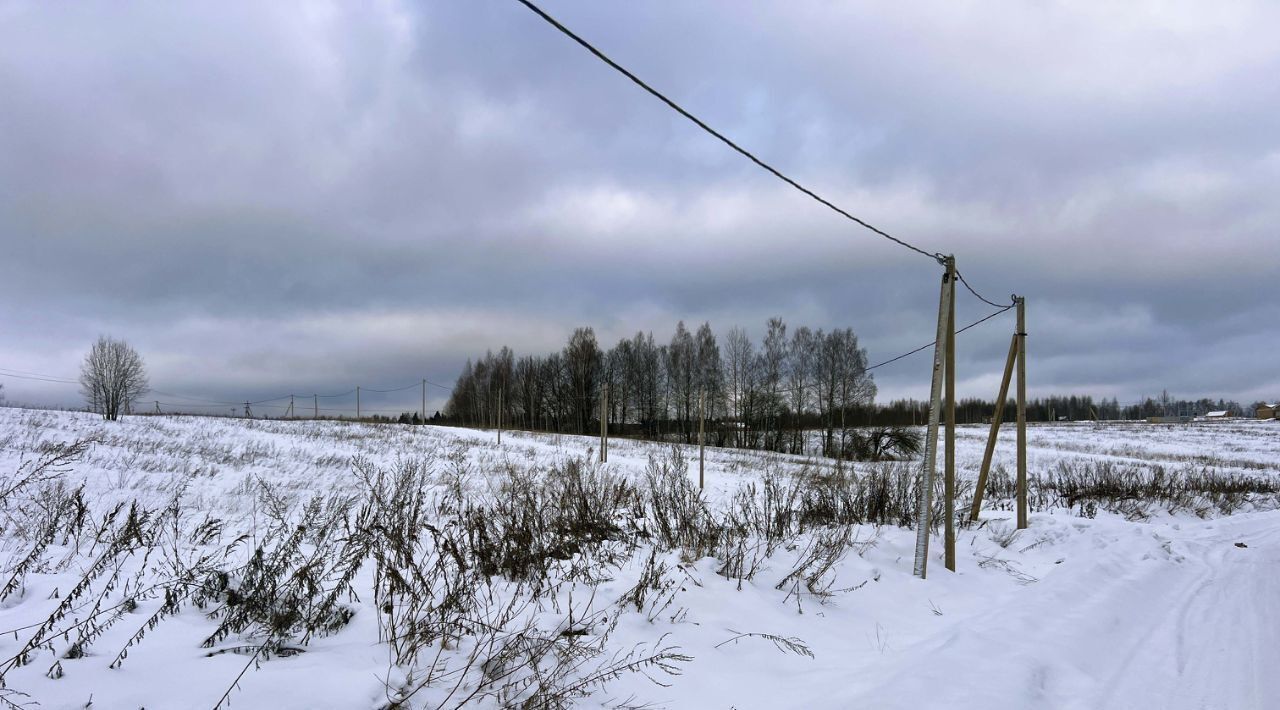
x=267, y=198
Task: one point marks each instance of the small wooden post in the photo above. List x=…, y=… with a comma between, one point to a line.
x=925, y=500
x=949, y=466
x=604, y=424
x=702, y=426
x=981, y=486
x=1022, y=413
x=357, y=402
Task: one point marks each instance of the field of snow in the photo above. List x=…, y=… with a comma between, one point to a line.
x=1172, y=606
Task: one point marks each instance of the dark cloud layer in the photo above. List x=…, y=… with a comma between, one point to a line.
x=268, y=198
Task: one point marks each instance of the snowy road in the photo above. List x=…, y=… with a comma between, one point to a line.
x=1164, y=616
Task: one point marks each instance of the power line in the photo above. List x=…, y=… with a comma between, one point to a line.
x=195, y=399
x=205, y=402
x=909, y=353
x=931, y=344
x=40, y=375
x=1012, y=299
x=57, y=381
x=273, y=399
x=701, y=124
x=397, y=389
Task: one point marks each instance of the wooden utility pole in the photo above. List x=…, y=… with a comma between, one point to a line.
x=996, y=419
x=702, y=426
x=1022, y=413
x=925, y=499
x=949, y=468
x=357, y=402
x=604, y=424
x=424, y=400
x=315, y=402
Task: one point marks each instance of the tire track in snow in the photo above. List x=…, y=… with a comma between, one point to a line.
x=1162, y=617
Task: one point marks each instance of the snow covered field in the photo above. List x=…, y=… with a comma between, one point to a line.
x=1149, y=609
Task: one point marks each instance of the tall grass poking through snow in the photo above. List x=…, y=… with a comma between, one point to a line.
x=477, y=577
x=1137, y=491
x=472, y=586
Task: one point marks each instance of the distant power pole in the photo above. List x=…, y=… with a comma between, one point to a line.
x=424, y=400
x=247, y=413
x=315, y=402
x=357, y=402
x=702, y=425
x=604, y=425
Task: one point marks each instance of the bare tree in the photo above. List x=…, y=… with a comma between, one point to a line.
x=682, y=376
x=773, y=365
x=709, y=371
x=738, y=355
x=801, y=376
x=582, y=363
x=112, y=377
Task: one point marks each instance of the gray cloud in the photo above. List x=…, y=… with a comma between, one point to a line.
x=306, y=197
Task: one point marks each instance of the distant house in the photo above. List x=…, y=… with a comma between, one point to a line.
x=1269, y=411
x=1220, y=414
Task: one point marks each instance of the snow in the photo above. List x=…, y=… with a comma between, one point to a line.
x=1175, y=612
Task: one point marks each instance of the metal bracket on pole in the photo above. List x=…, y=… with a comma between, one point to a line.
x=925, y=497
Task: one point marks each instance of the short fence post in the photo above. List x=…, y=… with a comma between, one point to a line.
x=702, y=425
x=604, y=424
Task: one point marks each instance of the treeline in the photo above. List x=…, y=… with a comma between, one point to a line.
x=1048, y=409
x=767, y=395
x=975, y=410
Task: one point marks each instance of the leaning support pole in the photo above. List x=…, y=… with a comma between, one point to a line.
x=949, y=467
x=1022, y=413
x=925, y=498
x=981, y=486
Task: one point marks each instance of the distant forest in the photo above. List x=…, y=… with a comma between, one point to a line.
x=1056, y=408
x=772, y=395
x=767, y=395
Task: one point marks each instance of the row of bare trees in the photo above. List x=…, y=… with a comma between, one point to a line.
x=772, y=394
